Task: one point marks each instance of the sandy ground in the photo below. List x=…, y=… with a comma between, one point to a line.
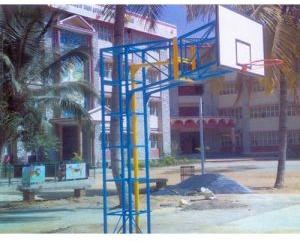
x=267, y=210
x=258, y=175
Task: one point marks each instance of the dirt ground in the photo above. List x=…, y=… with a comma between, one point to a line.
x=267, y=210
x=258, y=175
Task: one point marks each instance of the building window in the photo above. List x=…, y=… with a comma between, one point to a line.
x=188, y=111
x=231, y=112
x=294, y=137
x=264, y=111
x=226, y=141
x=229, y=88
x=107, y=139
x=154, y=141
x=75, y=71
x=108, y=102
x=127, y=37
x=108, y=70
x=104, y=33
x=271, y=138
x=195, y=90
x=136, y=37
x=258, y=87
x=239, y=138
x=153, y=108
x=70, y=40
x=153, y=75
x=264, y=138
x=271, y=111
x=291, y=110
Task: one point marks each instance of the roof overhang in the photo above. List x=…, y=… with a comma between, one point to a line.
x=209, y=122
x=76, y=23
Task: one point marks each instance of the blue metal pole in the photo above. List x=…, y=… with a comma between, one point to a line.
x=166, y=87
x=129, y=143
x=201, y=129
x=103, y=144
x=123, y=177
x=147, y=165
x=153, y=65
x=170, y=53
x=181, y=66
x=197, y=30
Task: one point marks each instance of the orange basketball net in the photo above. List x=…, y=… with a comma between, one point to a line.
x=261, y=63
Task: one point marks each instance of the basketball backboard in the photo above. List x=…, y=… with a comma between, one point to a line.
x=240, y=41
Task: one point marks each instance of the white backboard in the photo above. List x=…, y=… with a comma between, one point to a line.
x=240, y=40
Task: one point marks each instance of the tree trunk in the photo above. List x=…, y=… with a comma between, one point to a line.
x=282, y=133
x=2, y=143
x=1, y=149
x=119, y=26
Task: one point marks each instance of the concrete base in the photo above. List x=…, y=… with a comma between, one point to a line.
x=29, y=192
x=28, y=196
x=160, y=182
x=78, y=192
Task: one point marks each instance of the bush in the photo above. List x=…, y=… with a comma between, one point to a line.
x=164, y=161
x=169, y=161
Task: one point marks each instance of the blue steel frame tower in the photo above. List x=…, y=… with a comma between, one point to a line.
x=192, y=58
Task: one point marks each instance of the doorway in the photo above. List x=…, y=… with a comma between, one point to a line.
x=70, y=141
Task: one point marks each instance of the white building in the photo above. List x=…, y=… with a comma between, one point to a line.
x=83, y=25
x=249, y=126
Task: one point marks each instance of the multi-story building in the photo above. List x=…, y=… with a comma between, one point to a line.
x=247, y=125
x=83, y=25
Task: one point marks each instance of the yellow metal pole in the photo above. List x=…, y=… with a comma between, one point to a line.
x=135, y=129
x=193, y=54
x=175, y=58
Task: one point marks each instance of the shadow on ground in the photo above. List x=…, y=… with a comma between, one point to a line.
x=49, y=195
x=31, y=211
x=25, y=219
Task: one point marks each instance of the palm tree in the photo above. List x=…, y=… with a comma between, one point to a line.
x=282, y=23
x=28, y=71
x=118, y=14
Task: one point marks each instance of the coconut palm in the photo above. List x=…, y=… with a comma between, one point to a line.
x=118, y=13
x=28, y=73
x=282, y=23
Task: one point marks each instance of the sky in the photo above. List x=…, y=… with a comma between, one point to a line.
x=176, y=14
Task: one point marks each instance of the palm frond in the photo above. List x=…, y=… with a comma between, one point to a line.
x=62, y=63
x=46, y=26
x=4, y=59
x=285, y=43
x=22, y=29
x=108, y=12
x=151, y=13
x=71, y=87
x=148, y=13
x=269, y=16
x=64, y=104
x=203, y=12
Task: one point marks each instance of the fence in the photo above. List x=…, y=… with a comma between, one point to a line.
x=12, y=174
x=6, y=173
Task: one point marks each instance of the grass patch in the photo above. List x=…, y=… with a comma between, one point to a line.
x=170, y=161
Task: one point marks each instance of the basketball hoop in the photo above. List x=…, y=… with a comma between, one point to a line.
x=261, y=63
